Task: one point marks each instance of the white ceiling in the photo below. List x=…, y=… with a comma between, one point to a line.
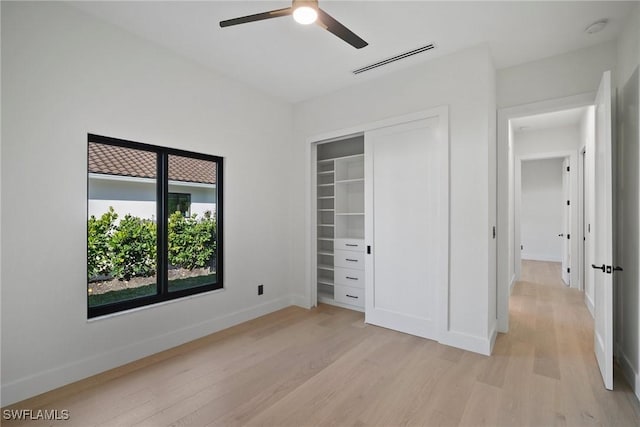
x=295, y=62
x=551, y=120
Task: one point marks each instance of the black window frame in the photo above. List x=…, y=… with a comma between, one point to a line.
x=188, y=213
x=162, y=204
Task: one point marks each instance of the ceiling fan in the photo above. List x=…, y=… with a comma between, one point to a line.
x=304, y=12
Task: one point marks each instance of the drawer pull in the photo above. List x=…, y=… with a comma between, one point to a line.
x=351, y=245
x=351, y=278
x=351, y=260
x=352, y=296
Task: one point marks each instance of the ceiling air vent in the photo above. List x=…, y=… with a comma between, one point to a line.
x=394, y=58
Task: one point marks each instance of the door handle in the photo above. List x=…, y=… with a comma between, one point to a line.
x=602, y=267
x=618, y=268
x=561, y=235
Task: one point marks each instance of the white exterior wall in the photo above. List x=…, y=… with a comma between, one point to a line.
x=464, y=82
x=66, y=74
x=138, y=197
x=126, y=197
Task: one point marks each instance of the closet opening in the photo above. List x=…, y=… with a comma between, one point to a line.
x=339, y=222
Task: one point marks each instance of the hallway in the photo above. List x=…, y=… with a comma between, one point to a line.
x=551, y=328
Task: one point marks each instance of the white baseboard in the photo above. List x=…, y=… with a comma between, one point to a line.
x=632, y=377
x=512, y=283
x=492, y=337
x=50, y=379
x=469, y=342
x=589, y=303
x=540, y=257
x=300, y=301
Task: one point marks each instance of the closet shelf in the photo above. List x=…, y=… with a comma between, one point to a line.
x=325, y=297
x=347, y=181
x=342, y=170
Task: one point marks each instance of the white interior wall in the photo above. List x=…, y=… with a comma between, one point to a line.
x=542, y=210
x=1, y=216
x=566, y=138
x=558, y=76
x=66, y=74
x=628, y=234
x=462, y=81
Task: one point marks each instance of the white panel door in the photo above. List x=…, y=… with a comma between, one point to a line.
x=566, y=224
x=603, y=234
x=406, y=226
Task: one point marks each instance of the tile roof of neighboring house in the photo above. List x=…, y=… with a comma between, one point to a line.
x=122, y=161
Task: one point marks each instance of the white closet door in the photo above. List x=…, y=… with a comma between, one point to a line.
x=406, y=226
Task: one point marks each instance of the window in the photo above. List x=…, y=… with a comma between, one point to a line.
x=154, y=228
x=180, y=202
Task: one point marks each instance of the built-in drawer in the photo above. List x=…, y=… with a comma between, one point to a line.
x=349, y=277
x=349, y=245
x=348, y=259
x=349, y=295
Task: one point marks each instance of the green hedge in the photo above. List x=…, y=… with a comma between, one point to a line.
x=191, y=241
x=99, y=231
x=128, y=249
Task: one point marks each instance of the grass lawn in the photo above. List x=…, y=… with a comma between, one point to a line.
x=147, y=290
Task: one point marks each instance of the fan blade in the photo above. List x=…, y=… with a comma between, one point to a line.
x=257, y=17
x=333, y=26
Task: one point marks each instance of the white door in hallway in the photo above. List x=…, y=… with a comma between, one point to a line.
x=566, y=223
x=406, y=197
x=603, y=233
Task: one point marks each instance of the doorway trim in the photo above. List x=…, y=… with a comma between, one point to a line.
x=503, y=163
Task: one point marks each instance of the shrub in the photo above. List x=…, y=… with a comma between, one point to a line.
x=133, y=248
x=99, y=232
x=128, y=249
x=192, y=242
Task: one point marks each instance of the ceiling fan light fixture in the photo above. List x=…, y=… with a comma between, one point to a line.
x=305, y=12
x=305, y=15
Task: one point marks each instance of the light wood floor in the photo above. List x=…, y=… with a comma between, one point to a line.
x=325, y=367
